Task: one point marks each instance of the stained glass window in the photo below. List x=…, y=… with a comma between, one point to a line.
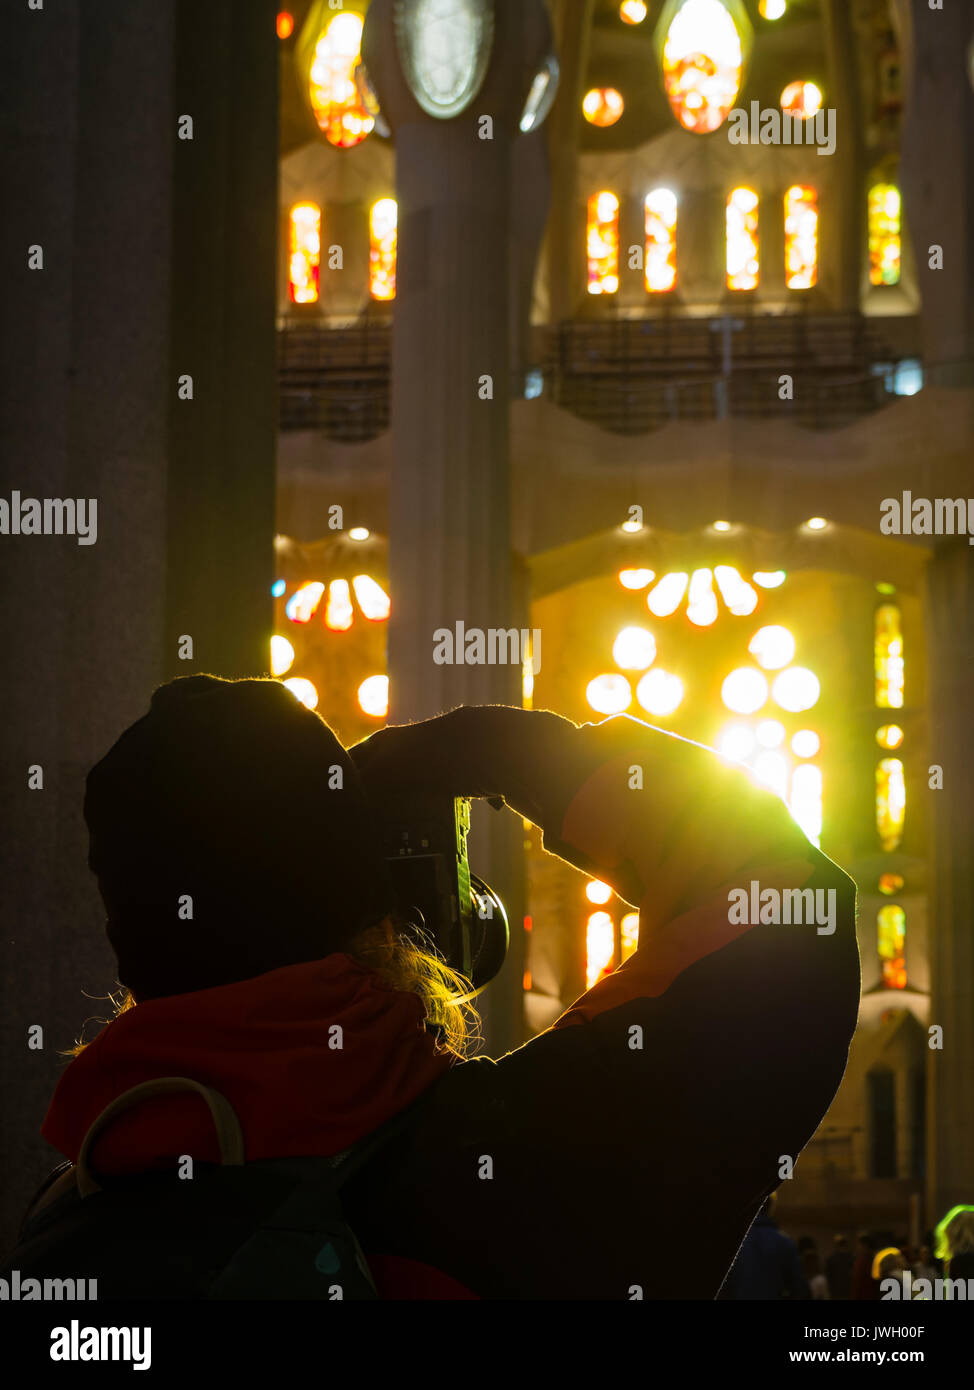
x=703, y=61
x=890, y=802
x=603, y=106
x=603, y=243
x=801, y=237
x=891, y=927
x=339, y=614
x=743, y=261
x=660, y=240
x=335, y=100
x=304, y=253
x=801, y=100
x=890, y=736
x=884, y=234
x=383, y=223
x=889, y=668
x=303, y=603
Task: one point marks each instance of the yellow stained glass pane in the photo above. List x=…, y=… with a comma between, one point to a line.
x=889, y=666
x=884, y=234
x=891, y=930
x=890, y=802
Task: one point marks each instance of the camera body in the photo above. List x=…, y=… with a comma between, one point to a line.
x=424, y=843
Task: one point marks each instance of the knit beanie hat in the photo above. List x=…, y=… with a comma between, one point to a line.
x=230, y=835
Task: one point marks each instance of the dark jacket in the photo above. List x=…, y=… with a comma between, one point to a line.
x=651, y=1116
x=768, y=1265
x=838, y=1272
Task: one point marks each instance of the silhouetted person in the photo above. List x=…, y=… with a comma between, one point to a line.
x=864, y=1286
x=818, y=1285
x=924, y=1267
x=838, y=1268
x=956, y=1245
x=768, y=1265
x=267, y=959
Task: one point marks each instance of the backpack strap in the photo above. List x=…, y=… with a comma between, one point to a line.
x=303, y=1248
x=228, y=1130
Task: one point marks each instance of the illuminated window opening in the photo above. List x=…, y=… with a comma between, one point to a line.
x=339, y=614
x=890, y=802
x=806, y=800
x=703, y=62
x=801, y=100
x=609, y=694
x=801, y=237
x=603, y=106
x=602, y=242
x=661, y=210
x=303, y=603
x=304, y=253
x=629, y=934
x=335, y=100
x=891, y=933
x=889, y=666
x=600, y=946
x=885, y=246
x=383, y=233
x=743, y=256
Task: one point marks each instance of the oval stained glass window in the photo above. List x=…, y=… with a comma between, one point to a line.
x=703, y=64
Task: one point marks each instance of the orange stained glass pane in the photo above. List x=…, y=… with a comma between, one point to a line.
x=602, y=242
x=703, y=62
x=304, y=253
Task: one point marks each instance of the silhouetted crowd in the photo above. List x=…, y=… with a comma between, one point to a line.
x=772, y=1265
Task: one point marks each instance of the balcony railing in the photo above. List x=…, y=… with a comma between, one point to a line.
x=628, y=376
x=335, y=380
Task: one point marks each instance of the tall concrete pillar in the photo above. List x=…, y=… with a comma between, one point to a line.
x=937, y=180
x=158, y=260
x=950, y=1075
x=846, y=232
x=565, y=245
x=450, y=535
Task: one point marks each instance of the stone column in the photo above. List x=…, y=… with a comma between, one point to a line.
x=133, y=225
x=565, y=244
x=937, y=179
x=450, y=540
x=845, y=231
x=950, y=1088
